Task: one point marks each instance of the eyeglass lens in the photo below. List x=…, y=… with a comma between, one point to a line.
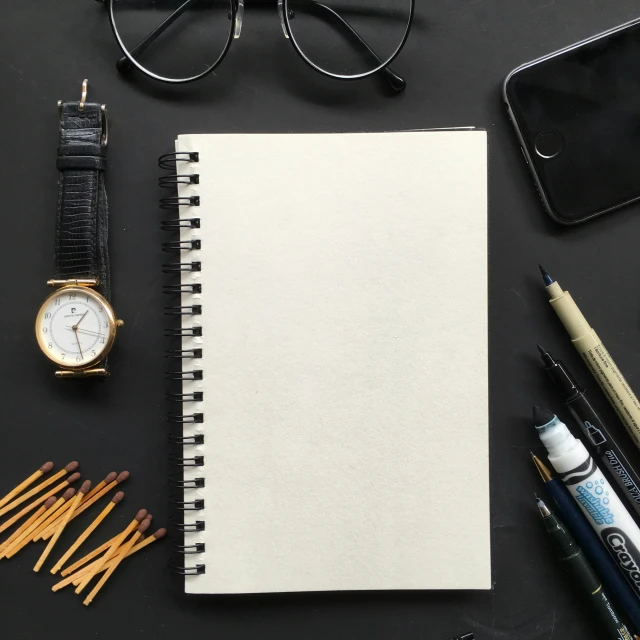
x=183, y=39
x=173, y=39
x=349, y=37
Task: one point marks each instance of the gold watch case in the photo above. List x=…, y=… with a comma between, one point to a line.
x=84, y=287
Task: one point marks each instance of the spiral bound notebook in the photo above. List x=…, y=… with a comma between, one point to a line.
x=332, y=405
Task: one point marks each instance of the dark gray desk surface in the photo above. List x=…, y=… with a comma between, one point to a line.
x=455, y=61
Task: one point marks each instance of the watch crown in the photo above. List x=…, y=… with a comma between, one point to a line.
x=119, y=323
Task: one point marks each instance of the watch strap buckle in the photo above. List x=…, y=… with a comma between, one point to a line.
x=104, y=138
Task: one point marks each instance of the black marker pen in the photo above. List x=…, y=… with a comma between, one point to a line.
x=598, y=437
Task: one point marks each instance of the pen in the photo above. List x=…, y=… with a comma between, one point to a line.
x=590, y=544
x=570, y=554
x=596, y=357
x=465, y=636
x=598, y=438
x=593, y=493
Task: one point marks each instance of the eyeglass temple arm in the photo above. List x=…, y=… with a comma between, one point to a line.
x=396, y=83
x=124, y=65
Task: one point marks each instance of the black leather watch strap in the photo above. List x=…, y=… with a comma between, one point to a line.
x=82, y=226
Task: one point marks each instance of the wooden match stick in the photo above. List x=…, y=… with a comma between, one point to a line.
x=158, y=535
x=100, y=486
x=30, y=507
x=88, y=531
x=88, y=501
x=23, y=528
x=84, y=489
x=126, y=548
x=70, y=468
x=90, y=556
x=24, y=539
x=77, y=577
x=44, y=469
x=134, y=524
x=54, y=514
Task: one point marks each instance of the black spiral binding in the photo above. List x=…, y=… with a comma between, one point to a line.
x=183, y=455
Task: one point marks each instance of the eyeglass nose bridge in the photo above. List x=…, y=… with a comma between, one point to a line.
x=237, y=27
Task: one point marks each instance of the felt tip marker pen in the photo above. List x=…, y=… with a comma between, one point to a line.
x=596, y=357
x=598, y=438
x=585, y=580
x=593, y=493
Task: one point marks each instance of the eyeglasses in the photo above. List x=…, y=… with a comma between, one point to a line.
x=180, y=41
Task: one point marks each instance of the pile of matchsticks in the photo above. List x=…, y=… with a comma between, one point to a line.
x=51, y=515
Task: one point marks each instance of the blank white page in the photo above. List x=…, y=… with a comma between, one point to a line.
x=344, y=338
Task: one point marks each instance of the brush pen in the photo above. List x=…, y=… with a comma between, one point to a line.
x=596, y=357
x=598, y=438
x=590, y=544
x=574, y=561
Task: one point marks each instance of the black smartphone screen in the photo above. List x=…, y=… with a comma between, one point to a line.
x=578, y=113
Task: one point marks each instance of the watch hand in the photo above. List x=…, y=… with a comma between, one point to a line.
x=87, y=331
x=78, y=341
x=81, y=319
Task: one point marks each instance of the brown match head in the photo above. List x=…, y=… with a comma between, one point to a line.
x=73, y=478
x=68, y=494
x=141, y=515
x=46, y=467
x=146, y=523
x=118, y=497
x=160, y=533
x=86, y=487
x=71, y=467
x=149, y=517
x=50, y=502
x=122, y=477
x=110, y=478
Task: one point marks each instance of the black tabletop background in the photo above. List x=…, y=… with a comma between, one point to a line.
x=455, y=61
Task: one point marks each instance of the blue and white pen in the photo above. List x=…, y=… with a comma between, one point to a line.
x=593, y=493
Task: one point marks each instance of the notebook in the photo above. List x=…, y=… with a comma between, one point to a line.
x=334, y=360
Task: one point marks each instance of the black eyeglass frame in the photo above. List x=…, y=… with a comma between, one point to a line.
x=396, y=83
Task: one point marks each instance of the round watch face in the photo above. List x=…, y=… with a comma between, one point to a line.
x=75, y=327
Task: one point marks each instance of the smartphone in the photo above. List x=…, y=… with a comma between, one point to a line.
x=577, y=114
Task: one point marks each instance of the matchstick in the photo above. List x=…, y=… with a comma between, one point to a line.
x=116, y=561
x=100, y=486
x=23, y=528
x=26, y=537
x=39, y=501
x=90, y=556
x=54, y=514
x=134, y=524
x=88, y=531
x=158, y=535
x=70, y=468
x=77, y=577
x=84, y=489
x=44, y=469
x=87, y=502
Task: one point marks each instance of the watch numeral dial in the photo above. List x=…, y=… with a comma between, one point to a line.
x=79, y=327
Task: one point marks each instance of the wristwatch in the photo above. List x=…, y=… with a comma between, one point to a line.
x=76, y=325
